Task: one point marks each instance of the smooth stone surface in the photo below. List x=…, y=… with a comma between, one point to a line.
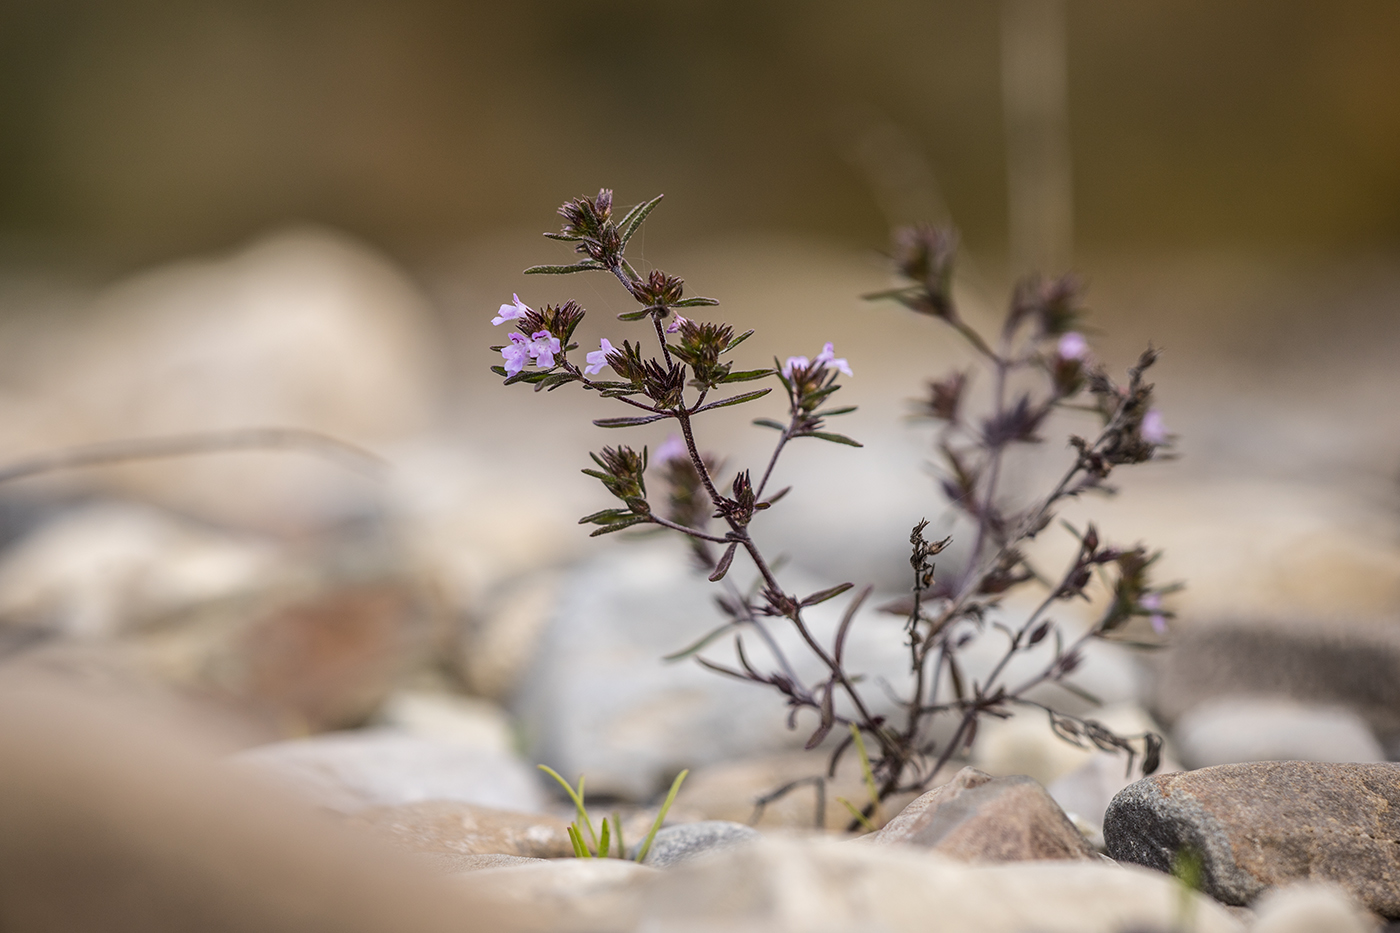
x=976, y=817
x=569, y=895
x=1355, y=665
x=452, y=827
x=1265, y=824
x=676, y=844
x=348, y=771
x=447, y=717
x=820, y=886
x=448, y=863
x=1308, y=907
x=1234, y=729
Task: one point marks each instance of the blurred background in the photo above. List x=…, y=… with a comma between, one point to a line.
x=222, y=215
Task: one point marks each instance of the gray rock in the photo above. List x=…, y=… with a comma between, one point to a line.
x=1265, y=824
x=676, y=844
x=1352, y=665
x=348, y=771
x=599, y=700
x=976, y=817
x=820, y=886
x=1234, y=729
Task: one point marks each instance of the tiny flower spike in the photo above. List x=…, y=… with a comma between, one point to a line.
x=1152, y=602
x=511, y=312
x=677, y=324
x=795, y=363
x=598, y=359
x=517, y=353
x=1154, y=429
x=543, y=346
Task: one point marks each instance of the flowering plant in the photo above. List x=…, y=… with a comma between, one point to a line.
x=1038, y=341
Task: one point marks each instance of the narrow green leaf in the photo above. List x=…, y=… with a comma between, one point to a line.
x=778, y=495
x=575, y=796
x=555, y=380
x=695, y=302
x=606, y=515
x=564, y=237
x=498, y=370
x=834, y=438
x=604, y=841
x=740, y=339
x=700, y=645
x=628, y=422
x=634, y=315
x=859, y=817
x=621, y=846
x=618, y=526
x=836, y=411
x=823, y=595
x=661, y=817
x=734, y=400
x=890, y=293
x=865, y=770
x=576, y=841
x=747, y=375
x=586, y=266
x=633, y=219
x=770, y=423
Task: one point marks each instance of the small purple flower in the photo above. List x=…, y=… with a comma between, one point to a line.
x=1072, y=346
x=1154, y=429
x=1152, y=602
x=795, y=362
x=673, y=448
x=828, y=358
x=517, y=353
x=543, y=346
x=676, y=325
x=597, y=359
x=511, y=311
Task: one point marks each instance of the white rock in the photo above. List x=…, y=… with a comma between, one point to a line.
x=813, y=886
x=1310, y=907
x=593, y=895
x=448, y=718
x=303, y=329
x=1234, y=729
x=347, y=771
x=99, y=570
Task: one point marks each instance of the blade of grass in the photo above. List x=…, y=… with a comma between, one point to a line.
x=575, y=796
x=661, y=817
x=859, y=817
x=604, y=841
x=865, y=770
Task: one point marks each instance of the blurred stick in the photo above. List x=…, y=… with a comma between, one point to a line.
x=208, y=442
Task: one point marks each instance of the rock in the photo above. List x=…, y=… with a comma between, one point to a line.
x=976, y=817
x=1265, y=824
x=1307, y=907
x=676, y=844
x=349, y=771
x=1353, y=664
x=1086, y=792
x=107, y=568
x=1234, y=729
x=728, y=791
x=570, y=895
x=819, y=886
x=302, y=329
x=447, y=863
x=447, y=717
x=456, y=828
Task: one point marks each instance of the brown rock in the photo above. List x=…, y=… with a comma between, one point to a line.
x=978, y=818
x=1263, y=824
x=464, y=829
